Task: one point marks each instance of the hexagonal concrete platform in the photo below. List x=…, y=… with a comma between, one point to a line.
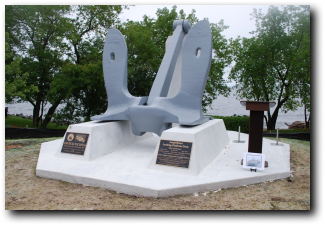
x=126, y=170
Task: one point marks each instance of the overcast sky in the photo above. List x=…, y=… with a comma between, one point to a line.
x=237, y=17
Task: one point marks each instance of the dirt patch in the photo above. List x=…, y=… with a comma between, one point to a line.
x=14, y=126
x=12, y=146
x=25, y=191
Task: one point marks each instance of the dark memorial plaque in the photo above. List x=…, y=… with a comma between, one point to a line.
x=174, y=153
x=75, y=143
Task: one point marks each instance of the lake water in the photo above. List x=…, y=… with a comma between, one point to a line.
x=222, y=107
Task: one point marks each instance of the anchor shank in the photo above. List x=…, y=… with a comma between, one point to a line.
x=164, y=76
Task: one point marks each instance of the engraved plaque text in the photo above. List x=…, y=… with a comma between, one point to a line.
x=174, y=153
x=75, y=143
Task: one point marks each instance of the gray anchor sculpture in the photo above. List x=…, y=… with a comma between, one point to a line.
x=157, y=112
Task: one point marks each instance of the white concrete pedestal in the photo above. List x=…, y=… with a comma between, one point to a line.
x=125, y=170
x=104, y=138
x=207, y=139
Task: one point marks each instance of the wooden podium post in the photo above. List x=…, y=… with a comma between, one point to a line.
x=255, y=138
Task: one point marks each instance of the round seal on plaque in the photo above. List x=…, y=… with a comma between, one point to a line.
x=70, y=137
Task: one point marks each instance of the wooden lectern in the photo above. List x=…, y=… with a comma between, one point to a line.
x=255, y=138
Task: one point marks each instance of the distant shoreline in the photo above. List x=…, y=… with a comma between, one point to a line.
x=222, y=106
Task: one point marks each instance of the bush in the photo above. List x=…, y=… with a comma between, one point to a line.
x=21, y=122
x=233, y=122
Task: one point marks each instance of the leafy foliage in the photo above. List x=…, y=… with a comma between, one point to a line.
x=15, y=82
x=60, y=48
x=38, y=33
x=267, y=68
x=222, y=58
x=84, y=92
x=233, y=122
x=43, y=36
x=146, y=48
x=21, y=122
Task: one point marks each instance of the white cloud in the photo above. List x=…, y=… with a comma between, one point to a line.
x=235, y=16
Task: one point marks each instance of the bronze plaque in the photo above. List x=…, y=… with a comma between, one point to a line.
x=75, y=143
x=174, y=153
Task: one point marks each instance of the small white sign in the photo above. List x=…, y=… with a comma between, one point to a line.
x=254, y=161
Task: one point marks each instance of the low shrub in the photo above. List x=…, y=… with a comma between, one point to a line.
x=233, y=122
x=22, y=122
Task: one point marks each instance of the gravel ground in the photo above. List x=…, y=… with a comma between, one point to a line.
x=25, y=191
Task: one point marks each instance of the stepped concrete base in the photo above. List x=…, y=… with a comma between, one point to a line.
x=104, y=138
x=208, y=139
x=126, y=170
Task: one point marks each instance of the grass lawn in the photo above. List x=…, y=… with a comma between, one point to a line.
x=270, y=131
x=15, y=121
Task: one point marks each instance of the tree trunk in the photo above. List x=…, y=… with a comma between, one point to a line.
x=265, y=119
x=272, y=119
x=42, y=111
x=50, y=113
x=308, y=122
x=77, y=53
x=36, y=115
x=36, y=110
x=305, y=114
x=89, y=110
x=88, y=115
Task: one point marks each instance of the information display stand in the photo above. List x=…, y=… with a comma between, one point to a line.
x=255, y=139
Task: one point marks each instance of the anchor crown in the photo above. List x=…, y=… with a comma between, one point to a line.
x=157, y=112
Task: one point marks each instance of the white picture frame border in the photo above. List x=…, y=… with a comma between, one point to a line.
x=260, y=156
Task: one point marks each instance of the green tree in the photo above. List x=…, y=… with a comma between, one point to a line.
x=267, y=68
x=222, y=58
x=88, y=90
x=146, y=48
x=146, y=45
x=85, y=89
x=144, y=56
x=15, y=80
x=91, y=19
x=85, y=95
x=302, y=58
x=37, y=33
x=43, y=36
